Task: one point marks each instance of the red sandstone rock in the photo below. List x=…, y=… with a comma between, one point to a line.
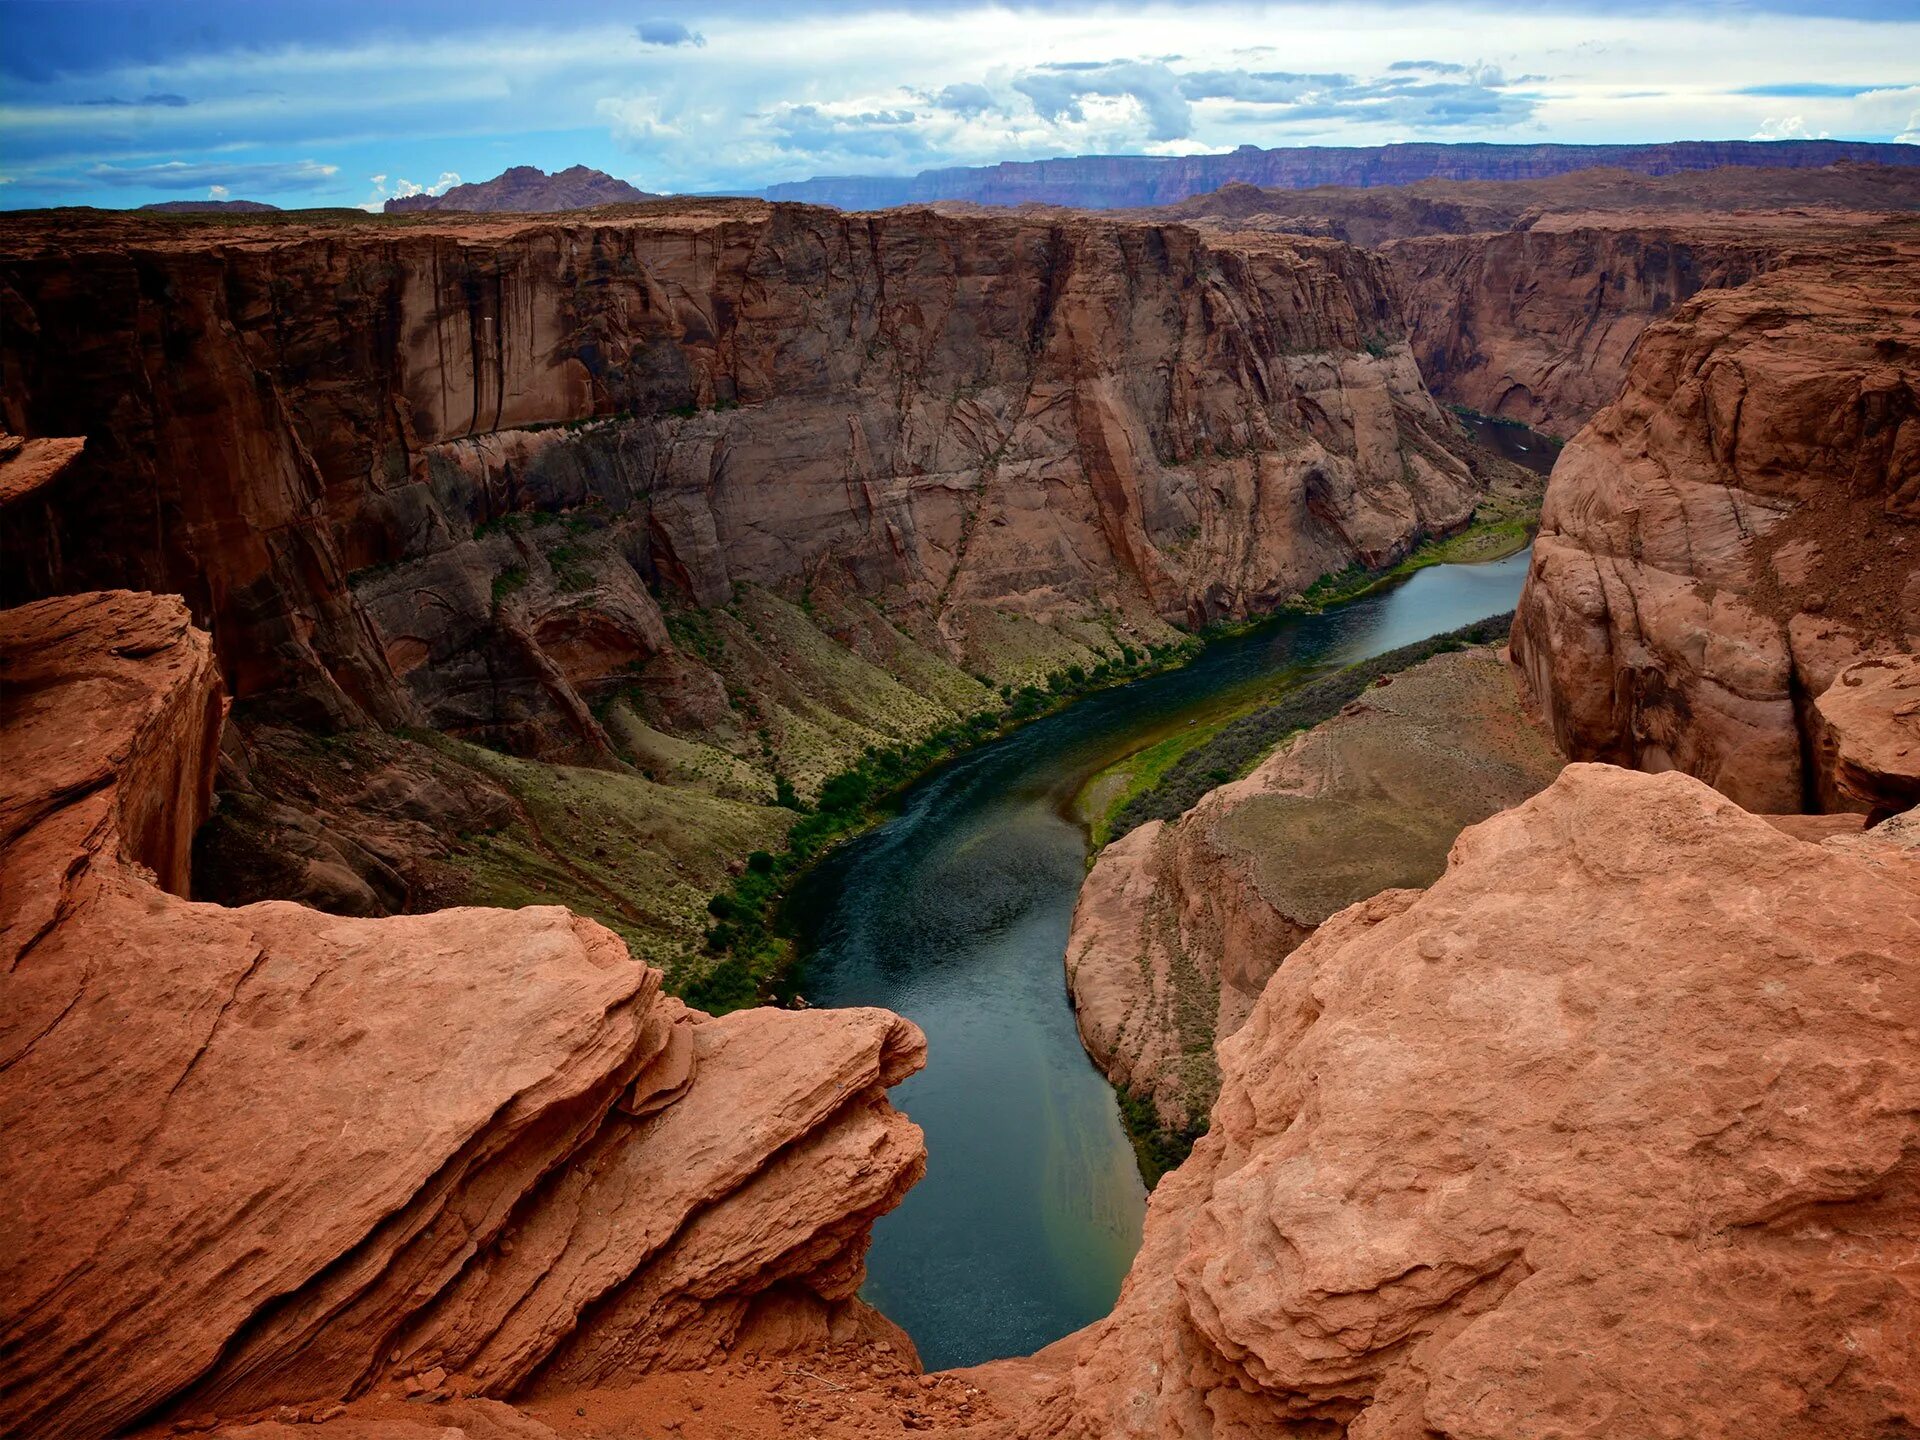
x=1737, y=527
x=264, y=1156
x=355, y=432
x=1609, y=1132
x=1180, y=926
x=1867, y=737
x=1538, y=324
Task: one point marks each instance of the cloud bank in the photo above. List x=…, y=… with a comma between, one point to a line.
x=299, y=101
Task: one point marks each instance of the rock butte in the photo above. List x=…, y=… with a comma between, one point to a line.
x=1608, y=1131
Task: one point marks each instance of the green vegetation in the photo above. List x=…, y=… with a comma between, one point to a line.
x=507, y=581
x=1237, y=746
x=748, y=950
x=1156, y=1149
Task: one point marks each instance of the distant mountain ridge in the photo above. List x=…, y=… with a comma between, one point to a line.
x=528, y=188
x=1102, y=182
x=212, y=207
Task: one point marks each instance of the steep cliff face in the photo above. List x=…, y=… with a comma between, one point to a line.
x=1537, y=324
x=1181, y=924
x=1736, y=528
x=1609, y=1131
x=1486, y=207
x=321, y=436
x=268, y=1157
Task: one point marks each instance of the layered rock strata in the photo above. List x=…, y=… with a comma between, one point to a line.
x=1609, y=1131
x=1100, y=181
x=1741, y=524
x=264, y=1156
x=341, y=444
x=1537, y=324
x=1181, y=925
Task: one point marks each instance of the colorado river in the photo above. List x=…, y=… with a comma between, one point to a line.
x=955, y=914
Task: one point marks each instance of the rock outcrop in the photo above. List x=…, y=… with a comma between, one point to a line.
x=1180, y=925
x=1866, y=738
x=339, y=443
x=267, y=1157
x=1126, y=181
x=1737, y=527
x=1611, y=1131
x=527, y=189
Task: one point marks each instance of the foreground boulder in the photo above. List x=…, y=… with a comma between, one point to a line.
x=1867, y=737
x=1611, y=1131
x=1739, y=526
x=1181, y=924
x=265, y=1156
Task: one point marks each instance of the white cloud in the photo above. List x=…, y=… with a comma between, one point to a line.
x=268, y=179
x=783, y=93
x=401, y=189
x=218, y=192
x=1788, y=127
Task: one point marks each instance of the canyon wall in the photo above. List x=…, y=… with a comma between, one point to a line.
x=1181, y=924
x=1610, y=1131
x=1740, y=525
x=322, y=436
x=1537, y=324
x=1120, y=181
x=267, y=1159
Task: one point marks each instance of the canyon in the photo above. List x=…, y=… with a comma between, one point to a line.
x=1583, y=1102
x=709, y=497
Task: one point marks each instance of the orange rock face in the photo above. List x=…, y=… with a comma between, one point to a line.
x=266, y=1156
x=1537, y=324
x=1737, y=528
x=1058, y=420
x=1867, y=737
x=1611, y=1131
x=1180, y=925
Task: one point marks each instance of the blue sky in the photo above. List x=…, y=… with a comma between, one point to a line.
x=119, y=102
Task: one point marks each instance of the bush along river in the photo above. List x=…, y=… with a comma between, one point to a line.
x=955, y=913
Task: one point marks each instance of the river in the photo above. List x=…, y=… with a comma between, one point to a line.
x=955, y=914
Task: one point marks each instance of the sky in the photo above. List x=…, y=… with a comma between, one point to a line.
x=347, y=102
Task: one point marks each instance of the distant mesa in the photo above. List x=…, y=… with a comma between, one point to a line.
x=528, y=188
x=212, y=207
x=1100, y=182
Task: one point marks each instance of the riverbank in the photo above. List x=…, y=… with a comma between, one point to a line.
x=751, y=956
x=1504, y=525
x=1356, y=783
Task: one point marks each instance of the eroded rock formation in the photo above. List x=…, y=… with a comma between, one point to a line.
x=265, y=1156
x=1180, y=925
x=1737, y=527
x=336, y=443
x=1537, y=324
x=527, y=188
x=1610, y=1131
